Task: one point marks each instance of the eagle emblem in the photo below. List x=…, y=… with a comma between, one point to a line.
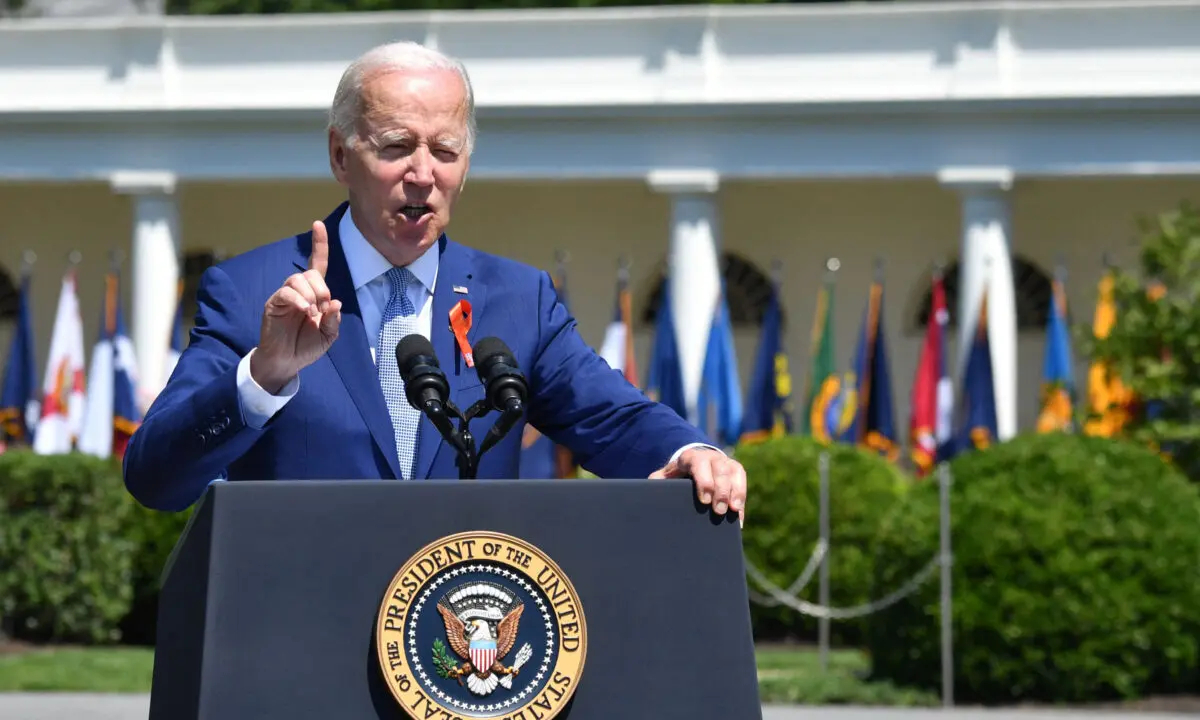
x=481, y=619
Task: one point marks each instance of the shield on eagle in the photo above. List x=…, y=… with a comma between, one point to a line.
x=483, y=653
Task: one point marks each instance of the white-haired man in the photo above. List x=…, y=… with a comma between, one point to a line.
x=291, y=370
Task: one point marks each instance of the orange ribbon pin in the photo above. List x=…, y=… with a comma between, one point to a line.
x=460, y=323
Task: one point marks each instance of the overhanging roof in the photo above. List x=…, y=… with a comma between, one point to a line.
x=788, y=90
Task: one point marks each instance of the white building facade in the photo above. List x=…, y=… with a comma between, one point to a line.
x=1007, y=138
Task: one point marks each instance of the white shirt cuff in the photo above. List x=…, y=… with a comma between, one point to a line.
x=689, y=446
x=258, y=405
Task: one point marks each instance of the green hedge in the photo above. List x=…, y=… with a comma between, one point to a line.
x=154, y=534
x=1076, y=575
x=782, y=526
x=65, y=562
x=79, y=558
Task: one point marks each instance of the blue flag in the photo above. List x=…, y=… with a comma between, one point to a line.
x=19, y=399
x=1058, y=368
x=874, y=424
x=768, y=400
x=979, y=397
x=665, y=382
x=719, y=403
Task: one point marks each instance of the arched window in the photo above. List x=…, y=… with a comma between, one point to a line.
x=195, y=262
x=748, y=290
x=1032, y=291
x=9, y=297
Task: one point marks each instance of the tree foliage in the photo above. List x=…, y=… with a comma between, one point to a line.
x=1153, y=346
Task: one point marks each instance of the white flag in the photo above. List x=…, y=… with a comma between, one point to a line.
x=63, y=386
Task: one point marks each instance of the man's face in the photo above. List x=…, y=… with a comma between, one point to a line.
x=410, y=160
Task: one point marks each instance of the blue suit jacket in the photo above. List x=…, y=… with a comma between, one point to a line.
x=337, y=426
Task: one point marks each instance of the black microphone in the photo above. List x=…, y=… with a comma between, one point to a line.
x=497, y=368
x=426, y=389
x=505, y=386
x=425, y=385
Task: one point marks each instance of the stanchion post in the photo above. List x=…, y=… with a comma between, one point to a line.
x=944, y=480
x=823, y=622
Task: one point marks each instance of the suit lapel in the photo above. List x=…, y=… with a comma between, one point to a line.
x=351, y=352
x=455, y=273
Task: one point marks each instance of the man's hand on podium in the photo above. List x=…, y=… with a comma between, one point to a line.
x=720, y=480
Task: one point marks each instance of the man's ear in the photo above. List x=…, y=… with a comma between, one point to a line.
x=337, y=156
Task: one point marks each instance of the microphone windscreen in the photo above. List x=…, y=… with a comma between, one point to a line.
x=412, y=347
x=489, y=347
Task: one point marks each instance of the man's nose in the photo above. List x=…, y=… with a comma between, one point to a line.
x=420, y=168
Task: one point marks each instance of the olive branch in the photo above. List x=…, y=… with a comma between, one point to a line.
x=442, y=660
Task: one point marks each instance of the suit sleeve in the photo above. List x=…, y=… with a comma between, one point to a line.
x=582, y=403
x=195, y=428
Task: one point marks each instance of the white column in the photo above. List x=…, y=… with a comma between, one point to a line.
x=155, y=270
x=694, y=260
x=986, y=263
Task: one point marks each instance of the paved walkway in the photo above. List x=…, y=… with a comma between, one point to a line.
x=21, y=706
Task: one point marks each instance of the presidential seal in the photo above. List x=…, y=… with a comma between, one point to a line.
x=481, y=625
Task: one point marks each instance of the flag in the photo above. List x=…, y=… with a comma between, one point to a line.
x=63, y=385
x=933, y=393
x=873, y=425
x=111, y=414
x=821, y=365
x=665, y=384
x=1058, y=381
x=979, y=395
x=1109, y=400
x=541, y=458
x=768, y=400
x=19, y=402
x=719, y=402
x=617, y=348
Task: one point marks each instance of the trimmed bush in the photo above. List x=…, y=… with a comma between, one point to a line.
x=65, y=561
x=1076, y=575
x=783, y=526
x=154, y=534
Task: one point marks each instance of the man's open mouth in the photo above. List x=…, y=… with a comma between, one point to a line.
x=414, y=212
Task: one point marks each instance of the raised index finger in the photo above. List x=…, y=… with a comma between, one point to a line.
x=319, y=259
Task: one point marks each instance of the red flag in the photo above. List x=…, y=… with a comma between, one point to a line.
x=932, y=401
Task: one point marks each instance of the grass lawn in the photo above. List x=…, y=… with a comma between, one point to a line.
x=786, y=675
x=68, y=669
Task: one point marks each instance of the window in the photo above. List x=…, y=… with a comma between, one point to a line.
x=748, y=290
x=9, y=297
x=1032, y=290
x=195, y=263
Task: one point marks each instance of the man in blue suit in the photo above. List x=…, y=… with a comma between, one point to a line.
x=291, y=369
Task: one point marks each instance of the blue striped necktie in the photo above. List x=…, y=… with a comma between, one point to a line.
x=399, y=320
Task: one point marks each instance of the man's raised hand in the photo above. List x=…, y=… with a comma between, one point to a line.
x=300, y=321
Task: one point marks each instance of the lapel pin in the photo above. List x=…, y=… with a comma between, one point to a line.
x=460, y=289
x=460, y=325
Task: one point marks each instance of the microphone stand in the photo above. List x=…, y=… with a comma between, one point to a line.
x=462, y=439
